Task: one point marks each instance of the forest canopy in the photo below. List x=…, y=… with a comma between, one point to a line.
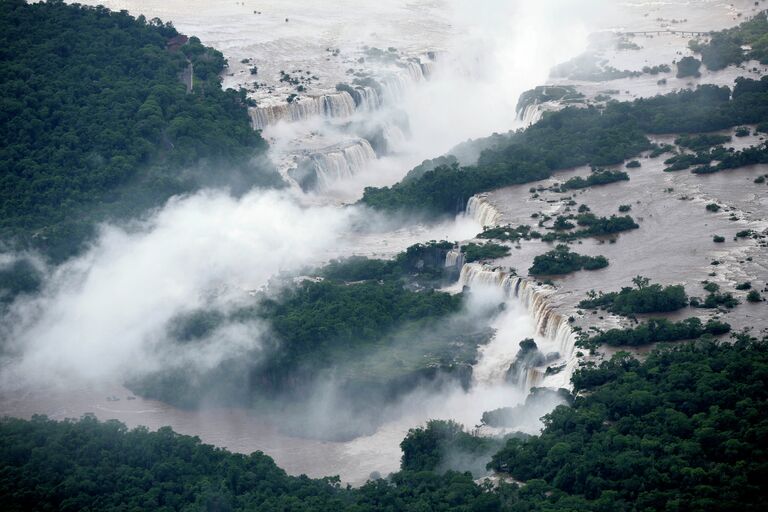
x=683, y=429
x=573, y=137
x=103, y=115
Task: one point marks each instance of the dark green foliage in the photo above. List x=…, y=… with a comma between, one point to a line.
x=507, y=233
x=593, y=226
x=659, y=150
x=486, y=251
x=359, y=268
x=561, y=223
x=96, y=121
x=624, y=208
x=564, y=139
x=561, y=260
x=421, y=262
x=732, y=159
x=724, y=47
x=718, y=239
x=545, y=93
x=701, y=142
x=688, y=66
x=598, y=177
x=685, y=429
x=658, y=330
x=715, y=299
x=645, y=298
x=711, y=287
x=573, y=137
x=712, y=207
x=655, y=70
x=742, y=131
x=87, y=465
x=360, y=321
x=443, y=445
x=316, y=317
x=685, y=160
x=633, y=164
x=17, y=278
x=430, y=165
x=744, y=286
x=754, y=296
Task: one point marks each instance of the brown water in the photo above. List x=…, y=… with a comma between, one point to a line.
x=673, y=244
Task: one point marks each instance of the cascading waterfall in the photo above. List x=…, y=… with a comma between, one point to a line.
x=482, y=211
x=415, y=71
x=368, y=99
x=427, y=68
x=344, y=103
x=531, y=114
x=394, y=137
x=337, y=163
x=336, y=105
x=454, y=258
x=554, y=329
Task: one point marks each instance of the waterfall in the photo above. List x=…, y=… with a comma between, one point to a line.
x=367, y=98
x=344, y=103
x=482, y=211
x=340, y=162
x=393, y=136
x=415, y=71
x=454, y=258
x=427, y=69
x=335, y=105
x=530, y=114
x=553, y=327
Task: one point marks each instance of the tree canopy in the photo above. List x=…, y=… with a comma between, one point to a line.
x=98, y=120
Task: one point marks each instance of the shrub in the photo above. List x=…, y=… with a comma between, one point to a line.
x=562, y=261
x=688, y=66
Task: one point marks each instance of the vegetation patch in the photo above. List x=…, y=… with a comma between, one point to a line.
x=643, y=298
x=561, y=260
x=657, y=330
x=486, y=251
x=725, y=47
x=104, y=116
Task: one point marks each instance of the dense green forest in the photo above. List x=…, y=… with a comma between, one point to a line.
x=377, y=327
x=97, y=122
x=422, y=263
x=644, y=298
x=363, y=331
x=87, y=465
x=486, y=251
x=591, y=226
x=657, y=330
x=573, y=137
x=725, y=47
x=442, y=445
x=684, y=429
x=561, y=260
x=596, y=177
